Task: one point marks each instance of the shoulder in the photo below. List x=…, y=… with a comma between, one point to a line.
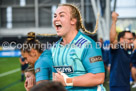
x=90, y=47
x=45, y=59
x=84, y=40
x=46, y=53
x=86, y=37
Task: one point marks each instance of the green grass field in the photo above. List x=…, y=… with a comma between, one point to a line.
x=12, y=81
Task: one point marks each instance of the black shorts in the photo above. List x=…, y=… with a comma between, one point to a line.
x=23, y=67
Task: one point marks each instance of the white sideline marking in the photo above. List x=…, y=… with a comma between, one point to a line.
x=9, y=72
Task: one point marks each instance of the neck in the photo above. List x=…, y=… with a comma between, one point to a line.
x=37, y=57
x=69, y=37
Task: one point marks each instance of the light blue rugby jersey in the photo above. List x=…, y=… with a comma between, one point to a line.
x=43, y=66
x=79, y=57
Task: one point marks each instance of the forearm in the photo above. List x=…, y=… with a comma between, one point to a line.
x=89, y=80
x=113, y=32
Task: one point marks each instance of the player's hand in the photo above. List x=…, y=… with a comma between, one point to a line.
x=29, y=83
x=26, y=84
x=58, y=77
x=114, y=16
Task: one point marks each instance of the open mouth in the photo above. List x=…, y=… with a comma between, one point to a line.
x=58, y=26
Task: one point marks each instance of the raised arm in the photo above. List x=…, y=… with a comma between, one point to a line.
x=113, y=32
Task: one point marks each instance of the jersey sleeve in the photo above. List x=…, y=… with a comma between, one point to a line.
x=43, y=68
x=92, y=59
x=42, y=71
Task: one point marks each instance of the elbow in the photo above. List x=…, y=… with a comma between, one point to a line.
x=101, y=81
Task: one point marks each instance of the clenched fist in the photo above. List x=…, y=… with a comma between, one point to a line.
x=114, y=16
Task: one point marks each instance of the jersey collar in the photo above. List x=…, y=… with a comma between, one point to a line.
x=76, y=37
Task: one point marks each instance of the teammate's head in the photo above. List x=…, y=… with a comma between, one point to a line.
x=66, y=17
x=30, y=78
x=32, y=50
x=63, y=21
x=49, y=86
x=29, y=72
x=125, y=37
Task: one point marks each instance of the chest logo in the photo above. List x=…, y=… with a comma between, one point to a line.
x=64, y=69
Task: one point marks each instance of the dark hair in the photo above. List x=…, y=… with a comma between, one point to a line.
x=122, y=34
x=32, y=42
x=49, y=86
x=30, y=69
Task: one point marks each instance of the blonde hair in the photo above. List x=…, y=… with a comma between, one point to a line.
x=30, y=69
x=76, y=14
x=31, y=35
x=47, y=34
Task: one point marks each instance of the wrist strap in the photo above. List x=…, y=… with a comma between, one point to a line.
x=65, y=79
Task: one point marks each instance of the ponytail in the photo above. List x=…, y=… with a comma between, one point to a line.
x=47, y=34
x=95, y=29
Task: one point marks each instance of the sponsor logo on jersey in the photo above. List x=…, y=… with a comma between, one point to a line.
x=37, y=70
x=95, y=59
x=64, y=69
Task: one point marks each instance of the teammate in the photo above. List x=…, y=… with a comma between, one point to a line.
x=120, y=57
x=42, y=62
x=76, y=57
x=23, y=67
x=30, y=78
